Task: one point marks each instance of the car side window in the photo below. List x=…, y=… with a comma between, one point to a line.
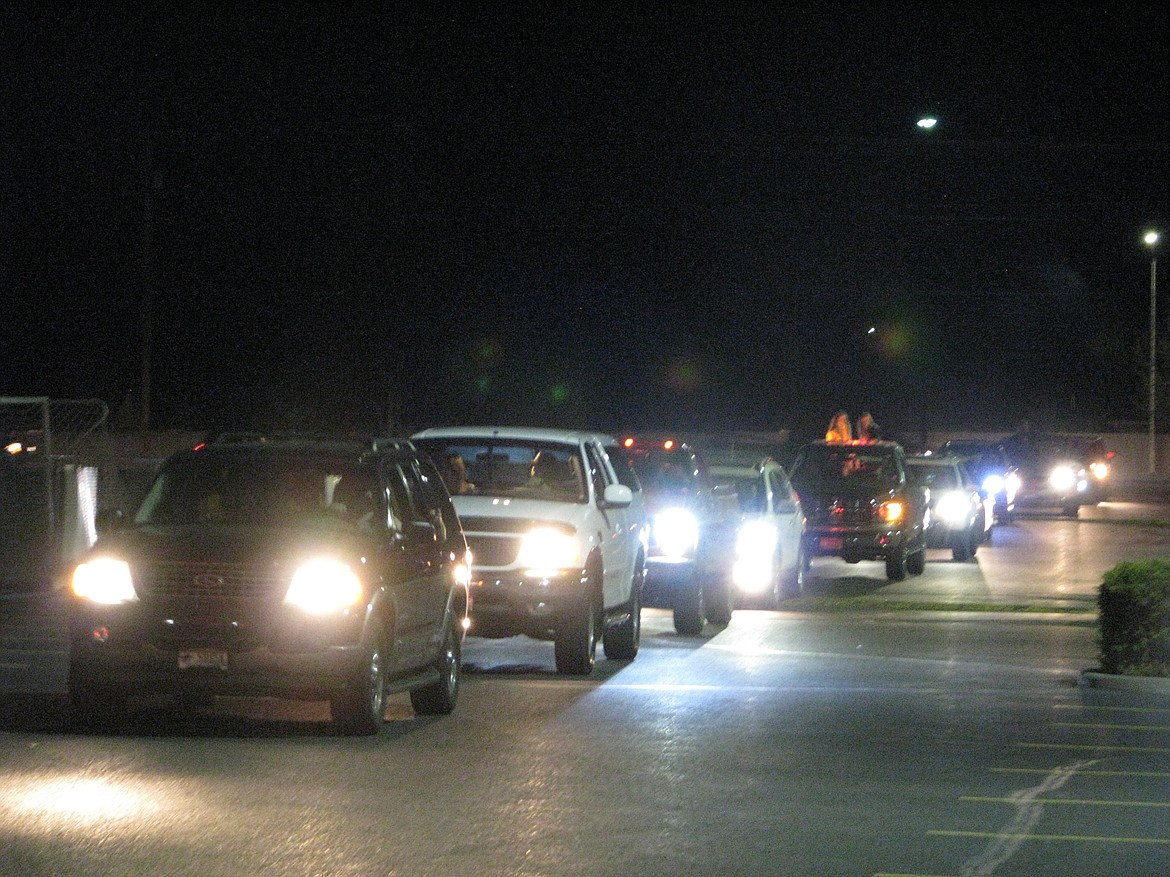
x=598, y=473
x=623, y=467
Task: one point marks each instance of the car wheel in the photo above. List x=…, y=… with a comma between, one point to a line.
x=720, y=606
x=575, y=646
x=793, y=584
x=916, y=562
x=361, y=709
x=94, y=707
x=622, y=639
x=896, y=565
x=690, y=613
x=438, y=698
x=961, y=550
x=1072, y=510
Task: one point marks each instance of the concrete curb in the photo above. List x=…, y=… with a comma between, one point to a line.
x=1115, y=682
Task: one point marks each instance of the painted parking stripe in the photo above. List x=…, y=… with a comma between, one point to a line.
x=1088, y=773
x=1073, y=838
x=1111, y=709
x=1084, y=801
x=1090, y=747
x=1111, y=727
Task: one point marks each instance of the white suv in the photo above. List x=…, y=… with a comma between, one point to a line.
x=557, y=530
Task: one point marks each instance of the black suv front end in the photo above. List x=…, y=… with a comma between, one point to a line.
x=296, y=570
x=860, y=506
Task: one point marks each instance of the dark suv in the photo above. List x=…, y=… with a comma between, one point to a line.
x=693, y=523
x=860, y=505
x=291, y=568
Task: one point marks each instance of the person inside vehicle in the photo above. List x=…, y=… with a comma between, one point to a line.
x=454, y=474
x=839, y=429
x=867, y=429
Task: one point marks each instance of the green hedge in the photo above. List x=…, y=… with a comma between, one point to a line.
x=1134, y=603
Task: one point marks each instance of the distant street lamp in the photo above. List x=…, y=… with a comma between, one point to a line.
x=1151, y=240
x=927, y=122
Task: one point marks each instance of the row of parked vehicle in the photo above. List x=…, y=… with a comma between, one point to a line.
x=344, y=570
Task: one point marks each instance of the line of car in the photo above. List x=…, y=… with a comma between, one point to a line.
x=315, y=569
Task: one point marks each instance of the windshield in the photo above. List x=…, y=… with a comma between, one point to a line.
x=749, y=491
x=511, y=468
x=249, y=490
x=936, y=477
x=821, y=468
x=662, y=471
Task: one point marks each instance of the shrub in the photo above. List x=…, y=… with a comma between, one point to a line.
x=1134, y=603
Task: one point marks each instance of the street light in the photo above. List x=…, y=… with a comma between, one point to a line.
x=1151, y=240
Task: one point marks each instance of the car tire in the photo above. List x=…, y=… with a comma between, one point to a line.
x=575, y=646
x=720, y=605
x=793, y=584
x=690, y=616
x=439, y=698
x=92, y=706
x=961, y=551
x=1072, y=510
x=622, y=639
x=360, y=709
x=916, y=562
x=896, y=565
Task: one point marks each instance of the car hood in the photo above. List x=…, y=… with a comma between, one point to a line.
x=476, y=512
x=278, y=548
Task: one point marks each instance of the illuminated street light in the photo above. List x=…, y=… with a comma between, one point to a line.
x=927, y=122
x=1151, y=240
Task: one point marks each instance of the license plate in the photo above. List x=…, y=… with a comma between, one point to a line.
x=196, y=658
x=830, y=543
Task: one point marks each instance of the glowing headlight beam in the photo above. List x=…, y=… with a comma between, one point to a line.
x=546, y=550
x=104, y=580
x=324, y=585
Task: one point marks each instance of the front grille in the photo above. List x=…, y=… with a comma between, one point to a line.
x=184, y=579
x=493, y=550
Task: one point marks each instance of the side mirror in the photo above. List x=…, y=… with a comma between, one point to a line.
x=617, y=496
x=108, y=520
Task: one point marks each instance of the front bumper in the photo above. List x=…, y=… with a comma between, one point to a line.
x=855, y=544
x=670, y=582
x=511, y=604
x=229, y=648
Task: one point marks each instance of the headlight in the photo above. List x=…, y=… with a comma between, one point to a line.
x=676, y=532
x=546, y=550
x=104, y=580
x=1062, y=479
x=993, y=484
x=1011, y=483
x=954, y=508
x=891, y=511
x=1100, y=470
x=755, y=551
x=324, y=585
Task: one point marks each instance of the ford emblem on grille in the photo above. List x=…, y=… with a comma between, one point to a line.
x=207, y=581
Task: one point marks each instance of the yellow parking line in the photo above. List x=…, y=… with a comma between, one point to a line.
x=1111, y=709
x=1092, y=747
x=1075, y=838
x=1089, y=802
x=1112, y=727
x=1086, y=773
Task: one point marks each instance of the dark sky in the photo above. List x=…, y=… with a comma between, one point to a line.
x=616, y=215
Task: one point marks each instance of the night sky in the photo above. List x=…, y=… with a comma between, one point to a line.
x=583, y=215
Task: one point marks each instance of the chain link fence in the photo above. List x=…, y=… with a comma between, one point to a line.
x=55, y=455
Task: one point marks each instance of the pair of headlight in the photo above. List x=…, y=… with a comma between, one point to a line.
x=319, y=586
x=675, y=533
x=545, y=551
x=954, y=508
x=1065, y=479
x=755, y=554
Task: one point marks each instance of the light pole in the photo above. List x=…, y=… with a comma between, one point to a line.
x=1151, y=240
